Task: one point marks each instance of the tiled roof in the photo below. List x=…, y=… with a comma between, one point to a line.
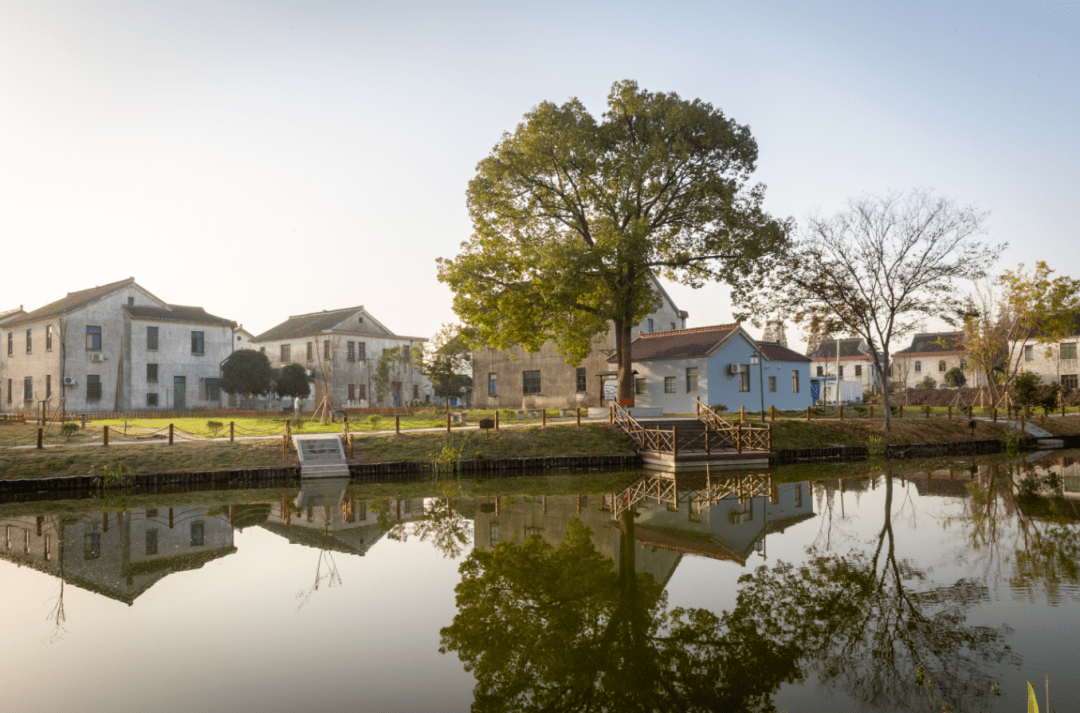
x=177, y=313
x=849, y=348
x=936, y=343
x=777, y=352
x=11, y=315
x=73, y=301
x=306, y=325
x=679, y=343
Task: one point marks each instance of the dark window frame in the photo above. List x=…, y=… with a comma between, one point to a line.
x=93, y=338
x=582, y=380
x=152, y=339
x=669, y=385
x=30, y=341
x=48, y=337
x=151, y=373
x=198, y=342
x=93, y=387
x=310, y=352
x=531, y=382
x=286, y=353
x=691, y=380
x=493, y=383
x=28, y=388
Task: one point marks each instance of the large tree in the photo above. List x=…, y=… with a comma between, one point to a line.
x=444, y=359
x=247, y=372
x=878, y=269
x=292, y=381
x=572, y=216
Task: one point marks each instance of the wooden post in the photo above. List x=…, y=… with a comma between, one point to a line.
x=345, y=428
x=496, y=419
x=1023, y=423
x=675, y=441
x=742, y=414
x=841, y=412
x=807, y=413
x=170, y=434
x=708, y=450
x=288, y=427
x=871, y=412
x=772, y=413
x=232, y=432
x=578, y=410
x=738, y=436
x=928, y=410
x=611, y=414
x=40, y=438
x=397, y=424
x=448, y=422
x=352, y=438
x=993, y=412
x=901, y=411
x=105, y=435
x=284, y=447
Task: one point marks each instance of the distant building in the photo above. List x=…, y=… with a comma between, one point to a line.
x=1053, y=361
x=116, y=347
x=518, y=379
x=673, y=370
x=341, y=349
x=930, y=355
x=856, y=365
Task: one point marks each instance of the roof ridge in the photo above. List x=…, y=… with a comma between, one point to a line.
x=691, y=330
x=326, y=311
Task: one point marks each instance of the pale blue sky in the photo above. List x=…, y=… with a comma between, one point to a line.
x=263, y=160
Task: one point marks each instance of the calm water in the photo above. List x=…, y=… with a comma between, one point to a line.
x=726, y=594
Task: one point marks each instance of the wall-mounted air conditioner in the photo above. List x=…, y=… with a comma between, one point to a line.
x=96, y=356
x=69, y=381
x=732, y=369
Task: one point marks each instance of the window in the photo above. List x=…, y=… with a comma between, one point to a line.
x=151, y=542
x=918, y=366
x=48, y=338
x=92, y=545
x=352, y=392
x=361, y=350
x=361, y=510
x=213, y=390
x=1068, y=350
x=795, y=381
x=416, y=392
x=840, y=372
x=858, y=370
x=530, y=382
x=493, y=384
x=493, y=533
x=28, y=388
x=197, y=345
x=582, y=381
x=286, y=353
x=691, y=379
x=650, y=325
x=772, y=384
x=93, y=387
x=262, y=349
x=151, y=373
x=941, y=365
x=820, y=371
x=197, y=534
x=151, y=339
x=48, y=386
x=350, y=351
x=311, y=351
x=326, y=349
x=9, y=390
x=1069, y=381
x=29, y=341
x=744, y=377
x=151, y=400
x=1029, y=353
x=639, y=386
x=673, y=325
x=669, y=384
x=131, y=301
x=10, y=343
x=93, y=338
x=362, y=391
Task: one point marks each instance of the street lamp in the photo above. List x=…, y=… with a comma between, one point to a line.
x=755, y=358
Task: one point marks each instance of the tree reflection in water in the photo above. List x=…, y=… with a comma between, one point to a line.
x=447, y=530
x=557, y=628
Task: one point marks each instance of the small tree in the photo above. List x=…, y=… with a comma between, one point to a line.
x=247, y=372
x=443, y=357
x=389, y=373
x=292, y=381
x=1026, y=391
x=877, y=270
x=955, y=377
x=927, y=383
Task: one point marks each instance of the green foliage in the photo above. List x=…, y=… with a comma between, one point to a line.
x=446, y=358
x=719, y=408
x=927, y=383
x=246, y=371
x=1026, y=390
x=374, y=419
x=572, y=215
x=955, y=377
x=214, y=426
x=118, y=476
x=875, y=446
x=69, y=430
x=292, y=381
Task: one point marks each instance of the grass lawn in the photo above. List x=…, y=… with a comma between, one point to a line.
x=822, y=434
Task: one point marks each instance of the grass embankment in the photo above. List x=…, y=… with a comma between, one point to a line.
x=590, y=439
x=822, y=434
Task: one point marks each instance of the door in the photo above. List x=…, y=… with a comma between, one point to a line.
x=179, y=390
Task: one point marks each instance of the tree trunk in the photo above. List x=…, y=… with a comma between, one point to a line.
x=622, y=357
x=883, y=372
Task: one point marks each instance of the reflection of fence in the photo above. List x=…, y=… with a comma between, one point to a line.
x=705, y=491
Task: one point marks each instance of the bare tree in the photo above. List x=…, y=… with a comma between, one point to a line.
x=878, y=269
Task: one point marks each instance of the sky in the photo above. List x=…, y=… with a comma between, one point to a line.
x=263, y=160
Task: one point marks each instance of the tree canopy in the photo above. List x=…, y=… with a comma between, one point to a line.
x=292, y=381
x=877, y=270
x=573, y=216
x=445, y=359
x=247, y=372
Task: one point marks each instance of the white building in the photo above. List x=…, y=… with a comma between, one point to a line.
x=113, y=348
x=1053, y=361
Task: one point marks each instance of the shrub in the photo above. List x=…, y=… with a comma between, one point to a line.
x=928, y=383
x=214, y=425
x=1026, y=391
x=719, y=408
x=955, y=377
x=69, y=430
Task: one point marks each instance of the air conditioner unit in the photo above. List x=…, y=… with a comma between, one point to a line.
x=732, y=369
x=738, y=518
x=96, y=356
x=69, y=381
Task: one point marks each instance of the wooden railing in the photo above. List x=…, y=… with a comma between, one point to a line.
x=647, y=439
x=738, y=436
x=664, y=490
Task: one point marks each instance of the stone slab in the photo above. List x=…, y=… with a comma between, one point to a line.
x=321, y=456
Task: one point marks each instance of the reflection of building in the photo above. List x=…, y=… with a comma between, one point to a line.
x=121, y=554
x=345, y=525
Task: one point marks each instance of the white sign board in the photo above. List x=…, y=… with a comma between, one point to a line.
x=611, y=389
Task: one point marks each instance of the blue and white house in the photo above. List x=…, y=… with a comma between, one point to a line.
x=721, y=364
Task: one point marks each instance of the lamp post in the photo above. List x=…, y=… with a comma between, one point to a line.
x=755, y=358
